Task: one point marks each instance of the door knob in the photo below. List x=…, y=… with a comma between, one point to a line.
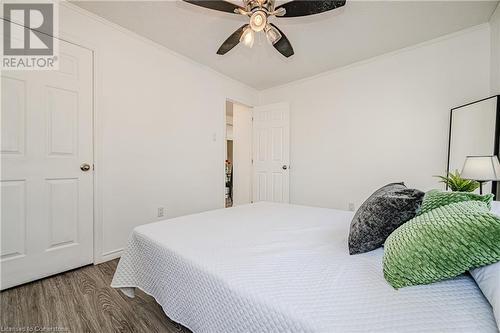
x=85, y=167
x=284, y=167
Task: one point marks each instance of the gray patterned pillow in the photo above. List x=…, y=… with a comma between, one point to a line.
x=382, y=213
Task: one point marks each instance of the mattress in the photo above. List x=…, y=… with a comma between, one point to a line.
x=270, y=267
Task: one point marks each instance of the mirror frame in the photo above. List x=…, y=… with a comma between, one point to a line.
x=494, y=186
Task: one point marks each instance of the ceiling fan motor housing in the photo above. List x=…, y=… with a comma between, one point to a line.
x=258, y=20
x=253, y=5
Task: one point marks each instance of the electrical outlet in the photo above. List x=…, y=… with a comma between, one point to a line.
x=352, y=208
x=161, y=212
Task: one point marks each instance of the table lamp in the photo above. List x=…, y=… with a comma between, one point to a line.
x=481, y=169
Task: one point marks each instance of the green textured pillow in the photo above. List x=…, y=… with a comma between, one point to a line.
x=441, y=244
x=437, y=198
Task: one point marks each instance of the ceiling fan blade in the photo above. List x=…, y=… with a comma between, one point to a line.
x=309, y=7
x=219, y=5
x=231, y=41
x=283, y=44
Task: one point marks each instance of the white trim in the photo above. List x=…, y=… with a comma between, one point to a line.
x=493, y=13
x=109, y=255
x=379, y=57
x=97, y=139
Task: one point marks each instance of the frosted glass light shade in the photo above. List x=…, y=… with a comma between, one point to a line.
x=481, y=168
x=272, y=34
x=247, y=37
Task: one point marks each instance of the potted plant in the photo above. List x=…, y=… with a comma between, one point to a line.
x=456, y=183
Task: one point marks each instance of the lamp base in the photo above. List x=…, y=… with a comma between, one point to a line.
x=481, y=186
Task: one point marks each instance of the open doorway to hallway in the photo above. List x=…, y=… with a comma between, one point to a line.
x=238, y=145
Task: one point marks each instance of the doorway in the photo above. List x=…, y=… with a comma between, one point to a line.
x=238, y=163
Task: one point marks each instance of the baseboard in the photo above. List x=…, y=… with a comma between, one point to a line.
x=110, y=255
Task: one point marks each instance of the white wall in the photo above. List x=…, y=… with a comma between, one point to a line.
x=157, y=114
x=382, y=120
x=495, y=51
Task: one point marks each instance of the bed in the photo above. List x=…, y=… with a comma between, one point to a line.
x=269, y=267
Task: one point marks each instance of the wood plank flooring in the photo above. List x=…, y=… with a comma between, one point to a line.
x=82, y=301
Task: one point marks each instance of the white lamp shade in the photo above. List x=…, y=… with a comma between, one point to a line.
x=481, y=168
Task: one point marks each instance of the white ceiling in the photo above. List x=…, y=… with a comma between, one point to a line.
x=358, y=31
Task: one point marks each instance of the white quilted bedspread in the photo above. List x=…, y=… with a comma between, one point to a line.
x=282, y=268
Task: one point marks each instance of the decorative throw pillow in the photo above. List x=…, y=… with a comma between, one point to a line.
x=441, y=244
x=488, y=280
x=384, y=211
x=488, y=277
x=437, y=198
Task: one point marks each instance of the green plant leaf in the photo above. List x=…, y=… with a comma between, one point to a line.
x=456, y=183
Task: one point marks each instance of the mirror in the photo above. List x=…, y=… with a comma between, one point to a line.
x=474, y=130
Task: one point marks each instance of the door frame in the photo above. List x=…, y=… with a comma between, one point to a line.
x=96, y=155
x=98, y=256
x=223, y=182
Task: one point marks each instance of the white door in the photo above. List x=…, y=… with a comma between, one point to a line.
x=271, y=152
x=46, y=199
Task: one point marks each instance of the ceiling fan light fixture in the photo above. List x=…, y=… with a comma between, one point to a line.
x=272, y=34
x=258, y=21
x=258, y=13
x=247, y=38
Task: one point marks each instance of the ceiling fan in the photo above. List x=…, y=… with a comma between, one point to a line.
x=259, y=12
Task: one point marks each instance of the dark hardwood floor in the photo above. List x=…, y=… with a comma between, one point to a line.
x=81, y=301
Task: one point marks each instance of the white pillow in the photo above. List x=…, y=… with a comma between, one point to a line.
x=488, y=280
x=495, y=207
x=488, y=277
